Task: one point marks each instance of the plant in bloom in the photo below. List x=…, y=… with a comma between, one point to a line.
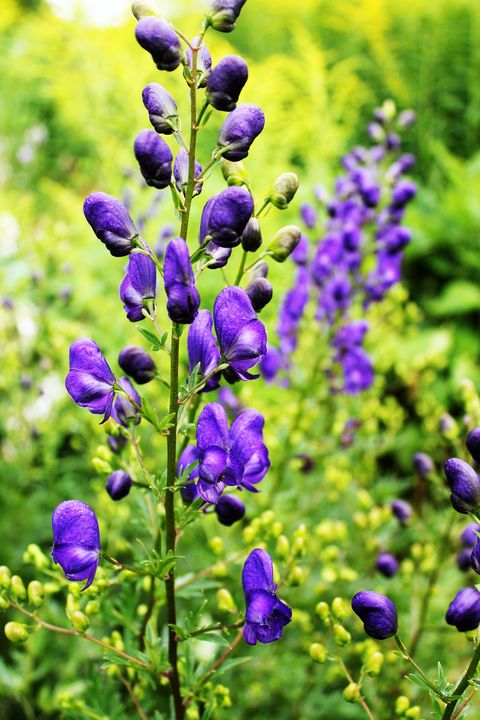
x=76, y=540
x=90, y=381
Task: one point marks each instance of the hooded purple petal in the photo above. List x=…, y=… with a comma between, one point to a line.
x=225, y=216
x=123, y=411
x=76, y=540
x=179, y=280
x=161, y=107
x=180, y=172
x=111, y=223
x=90, y=380
x=154, y=158
x=138, y=286
x=226, y=82
x=239, y=130
x=202, y=348
x=159, y=38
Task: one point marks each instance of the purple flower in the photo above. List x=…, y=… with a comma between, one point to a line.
x=161, y=107
x=226, y=81
x=123, y=411
x=154, y=158
x=301, y=252
x=241, y=336
x=252, y=235
x=473, y=443
x=118, y=485
x=465, y=485
x=350, y=335
x=464, y=610
x=239, y=130
x=406, y=118
x=180, y=173
x=138, y=286
x=387, y=564
x=159, y=39
x=137, y=363
x=475, y=557
x=229, y=510
x=204, y=59
x=423, y=464
x=189, y=491
x=111, y=223
x=116, y=443
x=203, y=350
x=90, y=381
x=266, y=615
x=309, y=215
x=464, y=559
x=469, y=536
x=260, y=292
x=357, y=370
x=230, y=401
x=235, y=456
x=403, y=192
x=377, y=612
x=76, y=540
x=179, y=280
x=225, y=216
x=271, y=364
x=402, y=511
x=224, y=13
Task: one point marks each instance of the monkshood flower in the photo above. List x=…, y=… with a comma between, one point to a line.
x=118, y=484
x=189, y=491
x=116, y=443
x=76, y=540
x=473, y=443
x=260, y=292
x=464, y=610
x=161, y=107
x=137, y=363
x=300, y=255
x=271, y=364
x=179, y=281
x=239, y=130
x=475, y=557
x=252, y=235
x=235, y=456
x=469, y=536
x=464, y=559
x=423, y=464
x=241, y=336
x=266, y=615
x=377, y=612
x=350, y=335
x=203, y=350
x=291, y=312
x=224, y=14
x=154, y=158
x=138, y=286
x=402, y=510
x=90, y=381
x=225, y=217
x=403, y=192
x=158, y=37
x=111, y=223
x=229, y=510
x=465, y=485
x=230, y=401
x=123, y=411
x=204, y=60
x=180, y=173
x=387, y=564
x=226, y=81
x=357, y=371
x=309, y=215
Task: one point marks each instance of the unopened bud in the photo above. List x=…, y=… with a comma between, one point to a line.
x=340, y=608
x=234, y=173
x=216, y=545
x=413, y=712
x=296, y=576
x=341, y=636
x=284, y=242
x=402, y=704
x=92, y=607
x=225, y=601
x=252, y=235
x=18, y=587
x=260, y=292
x=142, y=8
x=322, y=611
x=298, y=546
x=5, y=577
x=16, y=632
x=102, y=467
x=79, y=621
x=374, y=663
x=4, y=604
x=283, y=547
x=35, y=555
x=318, y=652
x=283, y=190
x=352, y=693
x=36, y=594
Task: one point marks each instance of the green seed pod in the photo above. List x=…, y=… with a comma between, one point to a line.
x=225, y=601
x=36, y=593
x=284, y=242
x=234, y=172
x=79, y=621
x=340, y=635
x=402, y=704
x=16, y=632
x=143, y=8
x=318, y=652
x=283, y=190
x=322, y=611
x=18, y=587
x=5, y=577
x=340, y=608
x=352, y=693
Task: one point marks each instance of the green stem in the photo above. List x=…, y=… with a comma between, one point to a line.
x=241, y=268
x=192, y=412
x=408, y=657
x=463, y=684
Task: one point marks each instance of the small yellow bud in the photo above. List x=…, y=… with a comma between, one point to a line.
x=220, y=569
x=36, y=594
x=4, y=604
x=277, y=528
x=101, y=467
x=351, y=693
x=192, y=713
x=16, y=632
x=340, y=608
x=283, y=547
x=217, y=545
x=79, y=621
x=341, y=636
x=18, y=587
x=268, y=517
x=143, y=8
x=142, y=610
x=322, y=611
x=318, y=652
x=225, y=601
x=374, y=663
x=402, y=704
x=5, y=577
x=92, y=607
x=296, y=576
x=298, y=547
x=414, y=712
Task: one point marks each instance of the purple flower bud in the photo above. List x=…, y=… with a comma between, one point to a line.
x=219, y=256
x=90, y=381
x=376, y=132
x=158, y=37
x=111, y=223
x=464, y=610
x=241, y=336
x=180, y=173
x=357, y=371
x=402, y=511
x=377, y=612
x=350, y=335
x=154, y=158
x=76, y=540
x=224, y=14
x=300, y=255
x=230, y=401
x=203, y=350
x=116, y=443
x=204, y=59
x=226, y=82
x=260, y=292
x=161, y=107
x=266, y=615
x=473, y=443
x=189, y=491
x=465, y=485
x=225, y=217
x=464, y=559
x=239, y=130
x=469, y=536
x=406, y=118
x=387, y=564
x=423, y=464
x=229, y=509
x=403, y=192
x=137, y=363
x=271, y=364
x=395, y=238
x=393, y=141
x=351, y=237
x=179, y=280
x=118, y=484
x=309, y=215
x=252, y=235
x=447, y=423
x=138, y=286
x=8, y=303
x=123, y=411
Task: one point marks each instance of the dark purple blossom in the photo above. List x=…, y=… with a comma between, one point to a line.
x=139, y=286
x=179, y=280
x=473, y=443
x=357, y=371
x=241, y=336
x=239, y=130
x=116, y=443
x=225, y=217
x=464, y=484
x=475, y=557
x=161, y=107
x=309, y=215
x=377, y=612
x=252, y=235
x=403, y=192
x=260, y=292
x=189, y=491
x=226, y=81
x=137, y=363
x=229, y=510
x=224, y=14
x=350, y=335
x=123, y=411
x=387, y=564
x=464, y=610
x=271, y=364
x=203, y=350
x=402, y=510
x=90, y=381
x=154, y=158
x=118, y=484
x=423, y=464
x=469, y=536
x=300, y=255
x=464, y=559
x=266, y=615
x=180, y=172
x=76, y=540
x=111, y=223
x=159, y=38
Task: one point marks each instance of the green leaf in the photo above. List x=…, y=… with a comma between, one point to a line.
x=213, y=638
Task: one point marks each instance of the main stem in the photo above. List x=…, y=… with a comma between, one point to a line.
x=463, y=684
